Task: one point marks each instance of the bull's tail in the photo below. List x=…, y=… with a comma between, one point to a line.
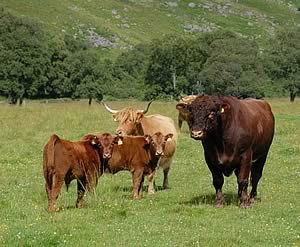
x=48, y=162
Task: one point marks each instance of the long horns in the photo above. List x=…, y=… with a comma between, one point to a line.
x=108, y=109
x=115, y=111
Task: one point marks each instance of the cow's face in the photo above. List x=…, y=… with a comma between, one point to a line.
x=106, y=144
x=158, y=142
x=129, y=120
x=203, y=116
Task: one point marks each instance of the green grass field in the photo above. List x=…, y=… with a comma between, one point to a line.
x=182, y=216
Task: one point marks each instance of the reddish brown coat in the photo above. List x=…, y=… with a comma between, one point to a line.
x=139, y=155
x=64, y=161
x=236, y=136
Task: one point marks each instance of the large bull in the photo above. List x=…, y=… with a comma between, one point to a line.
x=236, y=136
x=135, y=122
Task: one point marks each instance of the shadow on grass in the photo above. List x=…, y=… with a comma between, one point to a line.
x=210, y=199
x=129, y=188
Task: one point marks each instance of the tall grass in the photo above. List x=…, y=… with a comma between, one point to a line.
x=181, y=216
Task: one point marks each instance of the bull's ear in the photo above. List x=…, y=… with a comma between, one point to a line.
x=224, y=108
x=148, y=139
x=182, y=107
x=119, y=140
x=139, y=116
x=168, y=137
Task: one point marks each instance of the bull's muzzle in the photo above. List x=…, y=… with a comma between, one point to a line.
x=198, y=135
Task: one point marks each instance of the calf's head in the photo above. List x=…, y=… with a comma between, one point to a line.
x=129, y=120
x=203, y=113
x=104, y=143
x=158, y=142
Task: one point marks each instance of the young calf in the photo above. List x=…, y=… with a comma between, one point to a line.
x=140, y=155
x=64, y=161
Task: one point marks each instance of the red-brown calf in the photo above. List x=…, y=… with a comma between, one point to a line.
x=140, y=155
x=64, y=161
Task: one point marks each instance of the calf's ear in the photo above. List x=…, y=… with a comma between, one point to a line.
x=168, y=137
x=148, y=139
x=95, y=141
x=118, y=140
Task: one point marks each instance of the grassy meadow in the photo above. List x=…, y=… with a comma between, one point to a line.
x=181, y=216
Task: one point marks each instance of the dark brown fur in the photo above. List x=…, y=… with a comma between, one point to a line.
x=236, y=136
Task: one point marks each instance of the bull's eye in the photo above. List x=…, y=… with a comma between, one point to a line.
x=211, y=115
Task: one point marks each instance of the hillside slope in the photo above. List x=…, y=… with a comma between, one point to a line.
x=122, y=23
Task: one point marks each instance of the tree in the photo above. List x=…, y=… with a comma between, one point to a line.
x=174, y=62
x=24, y=57
x=233, y=66
x=85, y=75
x=282, y=60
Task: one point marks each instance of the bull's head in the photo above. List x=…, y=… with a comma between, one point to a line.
x=158, y=142
x=129, y=120
x=203, y=115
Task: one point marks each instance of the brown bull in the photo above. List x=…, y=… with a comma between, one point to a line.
x=182, y=115
x=140, y=155
x=236, y=136
x=135, y=122
x=64, y=161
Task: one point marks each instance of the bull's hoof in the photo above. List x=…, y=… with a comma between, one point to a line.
x=246, y=205
x=219, y=204
x=252, y=200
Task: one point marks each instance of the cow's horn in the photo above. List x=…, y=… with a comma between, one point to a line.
x=107, y=108
x=146, y=110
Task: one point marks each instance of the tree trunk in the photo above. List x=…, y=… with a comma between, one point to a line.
x=292, y=95
x=90, y=101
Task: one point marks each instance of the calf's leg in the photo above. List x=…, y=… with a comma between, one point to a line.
x=57, y=183
x=137, y=178
x=81, y=187
x=151, y=183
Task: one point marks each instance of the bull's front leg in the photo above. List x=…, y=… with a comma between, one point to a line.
x=218, y=181
x=137, y=178
x=243, y=178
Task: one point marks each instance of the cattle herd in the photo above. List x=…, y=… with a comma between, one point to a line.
x=236, y=135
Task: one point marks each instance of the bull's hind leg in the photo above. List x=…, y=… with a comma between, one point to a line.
x=256, y=173
x=81, y=187
x=57, y=183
